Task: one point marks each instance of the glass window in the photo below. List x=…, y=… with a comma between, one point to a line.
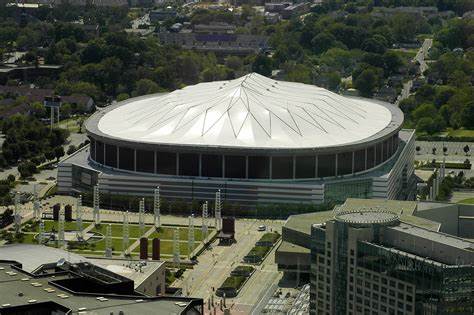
x=379, y=153
x=92, y=146
x=359, y=160
x=370, y=157
x=145, y=161
x=189, y=164
x=99, y=154
x=344, y=163
x=211, y=165
x=305, y=167
x=126, y=159
x=282, y=167
x=259, y=167
x=385, y=150
x=166, y=163
x=326, y=165
x=234, y=166
x=110, y=155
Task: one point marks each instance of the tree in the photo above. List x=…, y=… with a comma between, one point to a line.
x=262, y=65
x=26, y=169
x=145, y=86
x=49, y=155
x=366, y=82
x=322, y=42
x=71, y=149
x=58, y=152
x=466, y=149
x=11, y=178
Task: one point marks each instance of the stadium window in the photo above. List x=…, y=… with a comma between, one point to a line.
x=145, y=161
x=211, y=165
x=99, y=152
x=166, y=163
x=326, y=165
x=282, y=167
x=259, y=167
x=305, y=167
x=126, y=159
x=110, y=155
x=189, y=164
x=234, y=166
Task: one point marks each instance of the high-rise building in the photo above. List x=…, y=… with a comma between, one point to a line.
x=370, y=262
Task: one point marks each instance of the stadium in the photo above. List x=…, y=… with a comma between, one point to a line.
x=257, y=139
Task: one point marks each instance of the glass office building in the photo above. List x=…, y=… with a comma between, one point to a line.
x=370, y=263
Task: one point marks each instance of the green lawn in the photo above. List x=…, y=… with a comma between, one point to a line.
x=461, y=133
x=50, y=224
x=469, y=201
x=166, y=233
x=117, y=229
x=167, y=248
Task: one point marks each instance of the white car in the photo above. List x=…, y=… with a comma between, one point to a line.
x=262, y=228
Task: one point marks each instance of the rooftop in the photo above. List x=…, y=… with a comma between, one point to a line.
x=34, y=256
x=132, y=270
x=249, y=112
x=367, y=217
x=39, y=290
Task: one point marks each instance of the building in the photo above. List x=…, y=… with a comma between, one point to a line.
x=293, y=256
x=371, y=262
x=162, y=15
x=257, y=139
x=149, y=277
x=219, y=43
x=295, y=10
x=32, y=95
x=33, y=281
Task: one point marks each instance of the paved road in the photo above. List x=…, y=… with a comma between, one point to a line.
x=422, y=54
x=420, y=57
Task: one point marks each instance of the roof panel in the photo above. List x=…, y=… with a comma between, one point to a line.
x=283, y=114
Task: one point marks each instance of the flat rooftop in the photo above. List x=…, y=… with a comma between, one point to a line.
x=34, y=256
x=132, y=270
x=302, y=222
x=41, y=289
x=288, y=247
x=404, y=209
x=434, y=236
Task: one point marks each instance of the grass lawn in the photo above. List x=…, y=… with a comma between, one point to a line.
x=167, y=248
x=461, y=133
x=166, y=233
x=49, y=225
x=469, y=201
x=117, y=229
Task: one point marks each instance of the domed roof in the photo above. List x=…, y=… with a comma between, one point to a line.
x=249, y=112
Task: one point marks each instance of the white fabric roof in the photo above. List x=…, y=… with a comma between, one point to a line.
x=252, y=111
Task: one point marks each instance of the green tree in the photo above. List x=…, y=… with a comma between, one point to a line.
x=145, y=86
x=262, y=65
x=367, y=81
x=58, y=152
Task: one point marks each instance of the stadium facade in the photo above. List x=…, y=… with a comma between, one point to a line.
x=257, y=139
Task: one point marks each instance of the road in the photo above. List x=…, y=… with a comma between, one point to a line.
x=422, y=54
x=420, y=57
